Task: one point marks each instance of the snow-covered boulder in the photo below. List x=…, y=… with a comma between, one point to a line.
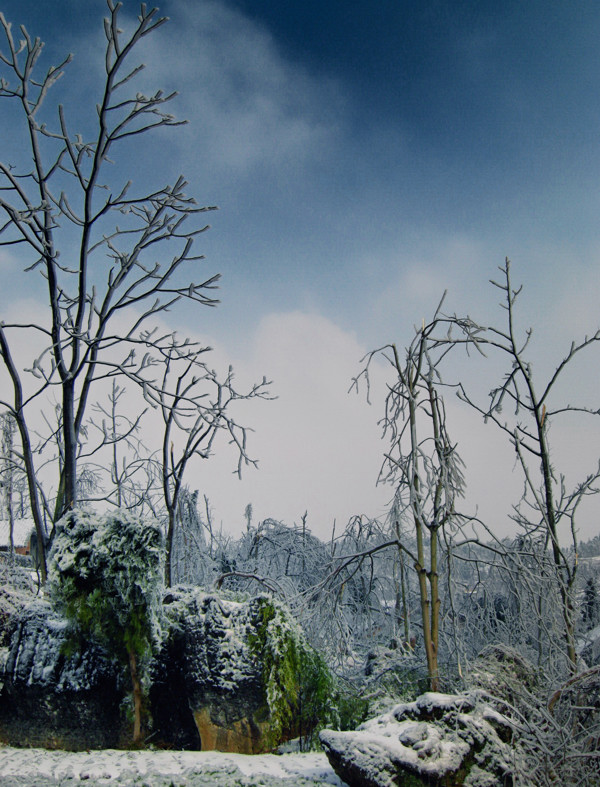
x=234, y=676
x=231, y=676
x=440, y=740
x=206, y=685
x=54, y=695
x=12, y=601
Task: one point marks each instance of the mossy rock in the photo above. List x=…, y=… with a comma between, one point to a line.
x=240, y=673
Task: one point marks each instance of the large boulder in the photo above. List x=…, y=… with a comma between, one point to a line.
x=439, y=740
x=231, y=676
x=206, y=683
x=12, y=602
x=244, y=677
x=55, y=695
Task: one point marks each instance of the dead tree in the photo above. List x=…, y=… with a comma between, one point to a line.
x=196, y=407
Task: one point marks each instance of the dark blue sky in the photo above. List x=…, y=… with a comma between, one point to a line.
x=452, y=70
x=364, y=157
x=485, y=114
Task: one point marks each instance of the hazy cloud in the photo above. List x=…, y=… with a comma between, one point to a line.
x=318, y=446
x=247, y=105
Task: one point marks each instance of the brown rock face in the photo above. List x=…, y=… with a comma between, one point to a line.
x=208, y=674
x=244, y=736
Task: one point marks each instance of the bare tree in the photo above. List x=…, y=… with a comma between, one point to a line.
x=118, y=273
x=548, y=507
x=423, y=465
x=196, y=406
x=115, y=460
x=120, y=433
x=504, y=591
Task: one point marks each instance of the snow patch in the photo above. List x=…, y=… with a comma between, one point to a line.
x=109, y=765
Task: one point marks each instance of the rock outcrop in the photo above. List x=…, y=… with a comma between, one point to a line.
x=439, y=740
x=207, y=682
x=56, y=696
x=231, y=676
x=12, y=602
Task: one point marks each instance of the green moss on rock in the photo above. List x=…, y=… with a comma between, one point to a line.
x=299, y=686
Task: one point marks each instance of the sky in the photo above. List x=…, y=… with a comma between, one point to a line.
x=363, y=162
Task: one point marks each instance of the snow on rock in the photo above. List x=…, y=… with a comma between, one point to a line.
x=206, y=685
x=231, y=671
x=37, y=653
x=12, y=601
x=438, y=740
x=227, y=676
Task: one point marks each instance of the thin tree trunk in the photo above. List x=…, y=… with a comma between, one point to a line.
x=169, y=547
x=402, y=599
x=435, y=609
x=137, y=697
x=427, y=613
x=70, y=449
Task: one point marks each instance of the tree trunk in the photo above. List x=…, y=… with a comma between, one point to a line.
x=402, y=599
x=70, y=448
x=435, y=609
x=429, y=642
x=137, y=697
x=566, y=578
x=169, y=547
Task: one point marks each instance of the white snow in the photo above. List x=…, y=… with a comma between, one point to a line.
x=385, y=740
x=110, y=764
x=409, y=740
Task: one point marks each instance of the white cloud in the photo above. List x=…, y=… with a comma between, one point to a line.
x=247, y=104
x=410, y=280
x=320, y=450
x=576, y=308
x=318, y=446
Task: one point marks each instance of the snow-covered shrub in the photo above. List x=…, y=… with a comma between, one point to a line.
x=106, y=577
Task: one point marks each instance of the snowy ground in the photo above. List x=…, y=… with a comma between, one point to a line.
x=42, y=768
